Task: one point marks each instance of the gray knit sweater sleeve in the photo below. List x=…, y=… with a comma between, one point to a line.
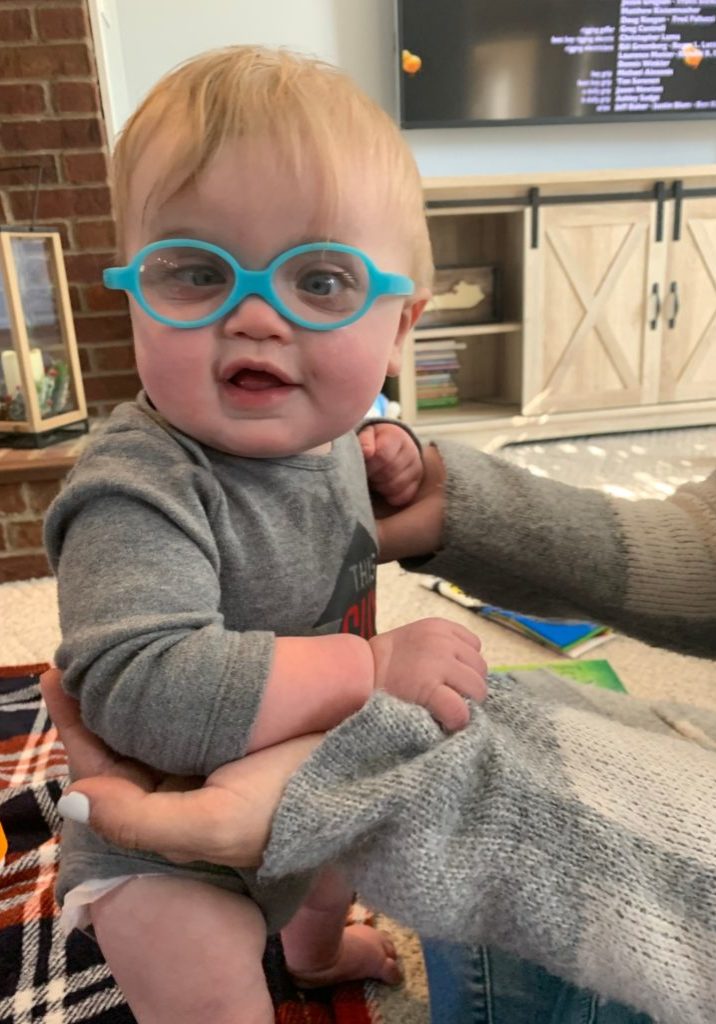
x=647, y=567
x=570, y=826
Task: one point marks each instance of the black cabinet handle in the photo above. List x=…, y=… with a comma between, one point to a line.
x=675, y=304
x=657, y=305
x=678, y=194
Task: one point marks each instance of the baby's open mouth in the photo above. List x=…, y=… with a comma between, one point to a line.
x=256, y=380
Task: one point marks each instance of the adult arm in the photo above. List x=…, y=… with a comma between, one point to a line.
x=647, y=567
x=573, y=828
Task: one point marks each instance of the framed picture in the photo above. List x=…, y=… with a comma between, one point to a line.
x=463, y=295
x=41, y=391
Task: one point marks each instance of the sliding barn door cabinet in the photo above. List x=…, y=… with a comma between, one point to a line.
x=599, y=314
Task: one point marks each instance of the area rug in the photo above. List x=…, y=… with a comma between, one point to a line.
x=43, y=975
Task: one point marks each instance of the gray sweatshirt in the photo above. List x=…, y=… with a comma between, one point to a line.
x=177, y=565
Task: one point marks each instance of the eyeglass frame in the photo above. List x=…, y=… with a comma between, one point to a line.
x=255, y=282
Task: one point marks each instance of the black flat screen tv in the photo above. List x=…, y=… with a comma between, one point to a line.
x=489, y=62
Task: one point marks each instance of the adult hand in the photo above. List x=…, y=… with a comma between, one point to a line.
x=415, y=529
x=225, y=819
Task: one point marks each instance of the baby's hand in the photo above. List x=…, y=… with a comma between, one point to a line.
x=393, y=462
x=434, y=663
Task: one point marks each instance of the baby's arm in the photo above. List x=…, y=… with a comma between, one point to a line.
x=145, y=647
x=316, y=682
x=313, y=684
x=158, y=675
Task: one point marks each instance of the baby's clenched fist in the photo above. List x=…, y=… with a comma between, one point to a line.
x=432, y=662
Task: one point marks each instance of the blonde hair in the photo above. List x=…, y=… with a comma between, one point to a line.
x=316, y=115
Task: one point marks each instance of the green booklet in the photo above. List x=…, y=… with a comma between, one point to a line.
x=596, y=672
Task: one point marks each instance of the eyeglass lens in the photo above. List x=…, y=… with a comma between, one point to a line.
x=189, y=283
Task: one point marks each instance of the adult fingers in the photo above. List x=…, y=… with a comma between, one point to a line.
x=413, y=530
x=201, y=824
x=87, y=754
x=64, y=711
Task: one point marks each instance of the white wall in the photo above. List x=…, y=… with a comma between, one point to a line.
x=141, y=39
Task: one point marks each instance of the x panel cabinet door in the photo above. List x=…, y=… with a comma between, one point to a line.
x=592, y=328
x=688, y=361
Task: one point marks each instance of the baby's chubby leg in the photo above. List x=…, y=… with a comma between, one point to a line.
x=184, y=951
x=321, y=949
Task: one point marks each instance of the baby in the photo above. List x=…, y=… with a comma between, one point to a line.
x=215, y=545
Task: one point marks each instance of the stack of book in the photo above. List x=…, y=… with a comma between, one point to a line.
x=436, y=366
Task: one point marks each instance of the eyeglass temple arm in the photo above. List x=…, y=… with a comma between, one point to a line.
x=396, y=284
x=117, y=277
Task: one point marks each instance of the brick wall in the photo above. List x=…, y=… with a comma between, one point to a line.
x=22, y=506
x=50, y=114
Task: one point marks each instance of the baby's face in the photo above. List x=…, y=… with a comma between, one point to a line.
x=253, y=383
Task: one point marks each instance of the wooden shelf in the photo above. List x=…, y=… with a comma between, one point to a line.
x=50, y=463
x=466, y=330
x=467, y=412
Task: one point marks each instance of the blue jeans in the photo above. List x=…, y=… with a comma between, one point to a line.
x=474, y=985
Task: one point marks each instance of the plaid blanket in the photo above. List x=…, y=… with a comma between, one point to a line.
x=45, y=976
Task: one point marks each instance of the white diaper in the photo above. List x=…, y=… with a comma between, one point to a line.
x=75, y=912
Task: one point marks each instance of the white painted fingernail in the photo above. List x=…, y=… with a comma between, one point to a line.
x=74, y=806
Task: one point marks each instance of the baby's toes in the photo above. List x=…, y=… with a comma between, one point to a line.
x=388, y=945
x=372, y=953
x=364, y=952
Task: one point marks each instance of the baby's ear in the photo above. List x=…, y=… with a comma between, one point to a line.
x=411, y=313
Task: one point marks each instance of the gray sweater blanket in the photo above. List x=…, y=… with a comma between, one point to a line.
x=571, y=826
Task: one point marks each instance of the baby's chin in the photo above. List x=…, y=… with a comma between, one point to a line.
x=265, y=438
x=266, y=447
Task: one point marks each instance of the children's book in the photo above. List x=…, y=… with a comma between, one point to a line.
x=564, y=636
x=593, y=672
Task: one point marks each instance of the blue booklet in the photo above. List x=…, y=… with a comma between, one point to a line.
x=565, y=636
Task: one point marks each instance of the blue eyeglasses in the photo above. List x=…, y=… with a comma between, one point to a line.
x=185, y=283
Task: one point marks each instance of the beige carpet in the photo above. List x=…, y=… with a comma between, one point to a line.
x=632, y=466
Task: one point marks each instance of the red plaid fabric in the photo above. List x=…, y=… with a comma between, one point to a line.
x=43, y=975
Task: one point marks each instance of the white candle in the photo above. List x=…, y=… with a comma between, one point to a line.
x=11, y=369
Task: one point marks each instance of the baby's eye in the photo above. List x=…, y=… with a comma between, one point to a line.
x=198, y=276
x=325, y=283
x=319, y=283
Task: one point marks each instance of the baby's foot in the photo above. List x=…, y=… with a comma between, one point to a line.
x=364, y=952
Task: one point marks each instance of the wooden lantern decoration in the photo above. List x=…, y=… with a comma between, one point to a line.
x=41, y=394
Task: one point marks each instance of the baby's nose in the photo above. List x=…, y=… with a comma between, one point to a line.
x=256, y=318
